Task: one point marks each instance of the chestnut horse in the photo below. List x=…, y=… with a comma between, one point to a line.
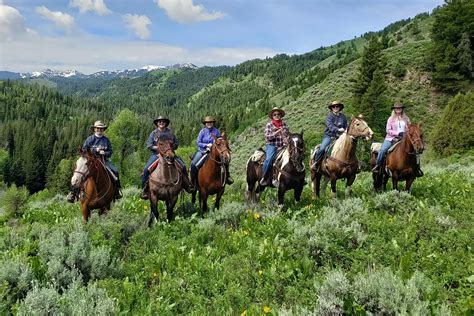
x=96, y=183
x=403, y=162
x=289, y=171
x=166, y=181
x=342, y=163
x=212, y=176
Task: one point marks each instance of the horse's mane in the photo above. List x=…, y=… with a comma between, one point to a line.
x=339, y=145
x=165, y=138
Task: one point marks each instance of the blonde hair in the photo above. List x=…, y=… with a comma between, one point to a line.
x=404, y=116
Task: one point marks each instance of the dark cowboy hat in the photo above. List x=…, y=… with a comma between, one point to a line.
x=398, y=105
x=270, y=115
x=333, y=103
x=161, y=118
x=99, y=124
x=209, y=119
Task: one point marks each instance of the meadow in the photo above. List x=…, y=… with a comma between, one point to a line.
x=387, y=253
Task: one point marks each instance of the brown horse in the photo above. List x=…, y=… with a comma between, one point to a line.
x=166, y=181
x=96, y=183
x=288, y=171
x=342, y=163
x=212, y=175
x=403, y=162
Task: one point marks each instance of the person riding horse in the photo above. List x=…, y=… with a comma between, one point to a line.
x=336, y=124
x=396, y=126
x=204, y=143
x=99, y=145
x=161, y=123
x=276, y=131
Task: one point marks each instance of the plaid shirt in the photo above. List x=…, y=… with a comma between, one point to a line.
x=275, y=139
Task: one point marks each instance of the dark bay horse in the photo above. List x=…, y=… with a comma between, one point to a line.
x=342, y=162
x=212, y=175
x=96, y=183
x=166, y=181
x=288, y=170
x=403, y=162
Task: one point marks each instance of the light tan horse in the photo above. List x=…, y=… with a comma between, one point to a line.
x=342, y=162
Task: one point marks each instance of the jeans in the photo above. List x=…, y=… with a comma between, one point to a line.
x=383, y=150
x=324, y=144
x=198, y=155
x=146, y=172
x=271, y=152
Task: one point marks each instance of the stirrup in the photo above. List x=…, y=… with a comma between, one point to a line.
x=376, y=169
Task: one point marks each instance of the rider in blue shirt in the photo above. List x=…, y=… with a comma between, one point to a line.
x=204, y=143
x=99, y=145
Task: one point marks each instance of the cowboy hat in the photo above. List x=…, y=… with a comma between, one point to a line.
x=276, y=110
x=398, y=105
x=209, y=119
x=99, y=124
x=333, y=103
x=161, y=118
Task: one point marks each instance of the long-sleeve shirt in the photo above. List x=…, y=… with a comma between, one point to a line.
x=205, y=137
x=274, y=138
x=103, y=143
x=334, y=123
x=395, y=126
x=155, y=135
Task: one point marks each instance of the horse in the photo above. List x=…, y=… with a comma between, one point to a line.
x=342, y=162
x=212, y=176
x=166, y=180
x=288, y=169
x=96, y=183
x=402, y=162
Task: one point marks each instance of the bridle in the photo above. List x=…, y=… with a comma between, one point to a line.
x=412, y=142
x=86, y=174
x=221, y=152
x=296, y=154
x=352, y=136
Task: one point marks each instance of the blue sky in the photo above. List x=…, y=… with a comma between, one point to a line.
x=93, y=35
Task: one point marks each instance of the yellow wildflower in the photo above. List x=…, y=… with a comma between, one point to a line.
x=244, y=313
x=266, y=309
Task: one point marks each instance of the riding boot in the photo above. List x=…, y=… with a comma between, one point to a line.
x=187, y=185
x=118, y=195
x=73, y=195
x=144, y=193
x=229, y=179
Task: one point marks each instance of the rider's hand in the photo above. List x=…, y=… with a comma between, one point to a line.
x=340, y=129
x=400, y=134
x=97, y=149
x=208, y=146
x=102, y=152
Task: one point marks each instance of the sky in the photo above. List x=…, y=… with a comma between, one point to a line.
x=95, y=35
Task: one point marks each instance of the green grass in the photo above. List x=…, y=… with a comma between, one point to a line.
x=363, y=252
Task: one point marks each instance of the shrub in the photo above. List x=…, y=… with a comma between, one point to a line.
x=453, y=133
x=14, y=200
x=333, y=293
x=18, y=277
x=395, y=202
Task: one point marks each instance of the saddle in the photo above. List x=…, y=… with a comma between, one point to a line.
x=259, y=156
x=375, y=147
x=328, y=150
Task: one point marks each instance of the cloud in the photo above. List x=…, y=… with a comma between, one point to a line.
x=184, y=11
x=138, y=24
x=91, y=54
x=62, y=20
x=12, y=23
x=97, y=6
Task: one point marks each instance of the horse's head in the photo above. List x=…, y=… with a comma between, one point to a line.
x=415, y=137
x=82, y=168
x=296, y=148
x=220, y=148
x=165, y=148
x=359, y=128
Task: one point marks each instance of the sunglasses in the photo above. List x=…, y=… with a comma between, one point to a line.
x=100, y=128
x=276, y=114
x=161, y=122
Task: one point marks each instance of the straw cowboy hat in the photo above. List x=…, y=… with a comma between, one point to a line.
x=270, y=114
x=161, y=118
x=333, y=103
x=398, y=105
x=209, y=119
x=99, y=124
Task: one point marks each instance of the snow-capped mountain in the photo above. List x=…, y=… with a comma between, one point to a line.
x=106, y=74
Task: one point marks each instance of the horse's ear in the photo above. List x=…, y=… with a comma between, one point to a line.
x=213, y=136
x=419, y=124
x=223, y=135
x=302, y=131
x=360, y=116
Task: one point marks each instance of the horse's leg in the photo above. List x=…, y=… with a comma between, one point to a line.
x=193, y=197
x=153, y=210
x=317, y=184
x=85, y=212
x=394, y=181
x=170, y=204
x=218, y=199
x=408, y=184
x=333, y=187
x=297, y=192
x=324, y=186
x=204, y=203
x=349, y=183
x=281, y=195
